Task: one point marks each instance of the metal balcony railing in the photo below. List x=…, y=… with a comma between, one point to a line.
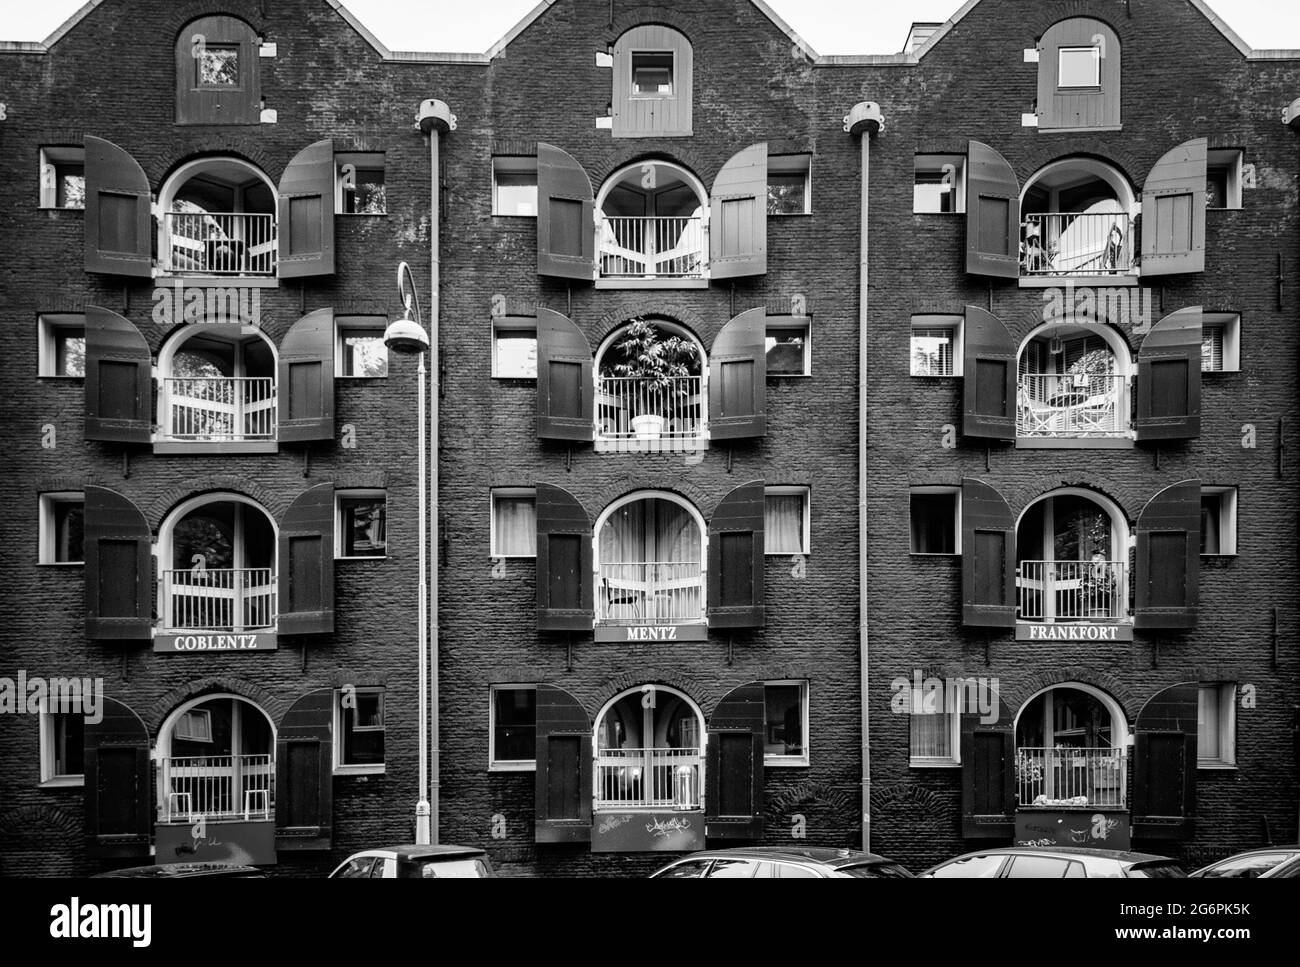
x=1071, y=777
x=650, y=593
x=218, y=409
x=227, y=599
x=216, y=787
x=1071, y=405
x=220, y=244
x=652, y=248
x=675, y=408
x=1072, y=590
x=1076, y=243
x=648, y=778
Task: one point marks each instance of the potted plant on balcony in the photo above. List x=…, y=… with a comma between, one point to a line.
x=655, y=363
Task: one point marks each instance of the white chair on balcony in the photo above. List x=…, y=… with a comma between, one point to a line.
x=1036, y=418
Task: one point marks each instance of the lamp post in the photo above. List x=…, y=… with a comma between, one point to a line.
x=407, y=335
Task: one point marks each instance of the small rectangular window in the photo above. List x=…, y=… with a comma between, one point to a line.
x=62, y=346
x=1220, y=342
x=789, y=184
x=936, y=346
x=513, y=729
x=1219, y=521
x=789, y=346
x=786, y=520
x=1223, y=179
x=939, y=184
x=63, y=178
x=785, y=734
x=514, y=523
x=514, y=349
x=935, y=526
x=361, y=188
x=217, y=65
x=933, y=740
x=359, y=729
x=1216, y=726
x=360, y=352
x=194, y=726
x=62, y=518
x=1079, y=67
x=514, y=187
x=361, y=524
x=652, y=74
x=63, y=741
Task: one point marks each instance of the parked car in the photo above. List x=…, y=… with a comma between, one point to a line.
x=1054, y=863
x=1270, y=863
x=781, y=862
x=184, y=871
x=415, y=862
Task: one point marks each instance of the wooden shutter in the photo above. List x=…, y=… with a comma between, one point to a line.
x=305, y=378
x=566, y=234
x=738, y=378
x=1164, y=765
x=738, y=216
x=733, y=768
x=1081, y=107
x=306, y=213
x=652, y=116
x=564, y=761
x=1169, y=378
x=988, y=775
x=736, y=546
x=238, y=103
x=117, y=783
x=988, y=378
x=565, y=380
x=1173, y=212
x=118, y=388
x=304, y=773
x=306, y=582
x=119, y=239
x=992, y=214
x=118, y=568
x=1168, y=558
x=988, y=557
x=564, y=563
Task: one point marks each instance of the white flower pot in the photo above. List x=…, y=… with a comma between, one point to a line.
x=648, y=427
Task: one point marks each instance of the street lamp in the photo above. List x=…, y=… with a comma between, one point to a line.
x=407, y=335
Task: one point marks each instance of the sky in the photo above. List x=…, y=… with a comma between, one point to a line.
x=830, y=26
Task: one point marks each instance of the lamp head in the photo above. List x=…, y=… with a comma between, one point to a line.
x=405, y=335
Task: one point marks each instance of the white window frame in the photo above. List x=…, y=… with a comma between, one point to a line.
x=1227, y=519
x=363, y=769
x=48, y=327
x=1074, y=49
x=203, y=715
x=516, y=325
x=805, y=705
x=806, y=538
x=357, y=494
x=793, y=164
x=513, y=165
x=954, y=741
x=1227, y=699
x=53, y=157
x=48, y=531
x=793, y=322
x=50, y=776
x=955, y=493
x=364, y=161
x=955, y=324
x=1230, y=324
x=357, y=325
x=511, y=492
x=672, y=74
x=935, y=163
x=1232, y=160
x=505, y=765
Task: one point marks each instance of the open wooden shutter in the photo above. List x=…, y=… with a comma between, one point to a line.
x=306, y=213
x=118, y=388
x=736, y=546
x=1173, y=212
x=566, y=235
x=119, y=568
x=992, y=214
x=1169, y=378
x=738, y=216
x=563, y=780
x=988, y=377
x=306, y=379
x=565, y=380
x=1164, y=765
x=738, y=378
x=733, y=769
x=118, y=236
x=1075, y=108
x=988, y=557
x=988, y=775
x=564, y=563
x=304, y=773
x=306, y=582
x=117, y=783
x=1168, y=558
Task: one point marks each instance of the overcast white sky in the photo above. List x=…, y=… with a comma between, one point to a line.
x=830, y=26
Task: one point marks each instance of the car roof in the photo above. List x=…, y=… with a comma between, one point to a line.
x=824, y=855
x=166, y=870
x=1122, y=856
x=412, y=851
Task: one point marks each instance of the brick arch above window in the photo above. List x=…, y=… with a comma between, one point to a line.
x=1016, y=696
x=624, y=312
x=1130, y=500
x=1106, y=150
x=618, y=158
x=194, y=146
x=272, y=502
x=215, y=685
x=632, y=483
x=636, y=15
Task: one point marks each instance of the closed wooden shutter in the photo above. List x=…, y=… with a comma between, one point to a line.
x=306, y=213
x=566, y=230
x=1164, y=765
x=1173, y=211
x=658, y=116
x=304, y=773
x=306, y=564
x=1168, y=558
x=736, y=547
x=118, y=568
x=988, y=557
x=738, y=378
x=119, y=239
x=738, y=216
x=565, y=380
x=564, y=562
x=988, y=775
x=234, y=103
x=992, y=214
x=1073, y=108
x=733, y=776
x=118, y=389
x=305, y=380
x=988, y=378
x=117, y=783
x=1169, y=378
x=564, y=768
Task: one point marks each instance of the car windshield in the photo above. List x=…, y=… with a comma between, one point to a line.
x=1162, y=869
x=1245, y=867
x=460, y=868
x=875, y=870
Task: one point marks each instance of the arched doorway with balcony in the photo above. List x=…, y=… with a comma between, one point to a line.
x=649, y=748
x=1071, y=741
x=217, y=385
x=1074, y=377
x=218, y=219
x=652, y=217
x=1077, y=217
x=651, y=387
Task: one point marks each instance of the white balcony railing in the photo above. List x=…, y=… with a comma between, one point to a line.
x=218, y=409
x=678, y=403
x=1072, y=590
x=216, y=787
x=1077, y=243
x=1071, y=405
x=652, y=248
x=1071, y=777
x=220, y=244
x=648, y=778
x=227, y=599
x=650, y=593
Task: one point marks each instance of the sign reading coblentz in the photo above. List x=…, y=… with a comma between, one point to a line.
x=179, y=644
x=1029, y=631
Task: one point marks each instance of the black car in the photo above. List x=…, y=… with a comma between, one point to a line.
x=1054, y=863
x=184, y=871
x=782, y=862
x=1268, y=863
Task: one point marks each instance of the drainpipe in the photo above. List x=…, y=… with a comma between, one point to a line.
x=435, y=117
x=1291, y=118
x=863, y=121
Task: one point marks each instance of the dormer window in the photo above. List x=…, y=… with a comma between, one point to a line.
x=652, y=74
x=217, y=73
x=652, y=83
x=217, y=66
x=1079, y=67
x=1078, y=76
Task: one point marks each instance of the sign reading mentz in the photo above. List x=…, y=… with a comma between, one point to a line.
x=179, y=644
x=612, y=633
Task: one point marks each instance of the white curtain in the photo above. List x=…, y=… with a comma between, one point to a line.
x=516, y=527
x=783, y=523
x=650, y=531
x=931, y=735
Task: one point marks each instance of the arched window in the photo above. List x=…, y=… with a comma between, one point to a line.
x=1077, y=218
x=218, y=78
x=652, y=218
x=219, y=218
x=217, y=385
x=1073, y=383
x=216, y=760
x=649, y=744
x=650, y=562
x=1070, y=749
x=650, y=385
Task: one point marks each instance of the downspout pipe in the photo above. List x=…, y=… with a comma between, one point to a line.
x=864, y=121
x=434, y=119
x=1291, y=118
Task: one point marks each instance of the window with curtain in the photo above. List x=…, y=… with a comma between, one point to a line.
x=931, y=736
x=784, y=520
x=650, y=531
x=514, y=524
